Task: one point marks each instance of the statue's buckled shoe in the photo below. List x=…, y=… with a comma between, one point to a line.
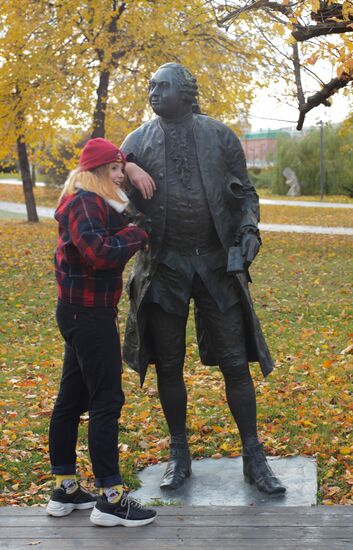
x=257, y=471
x=178, y=468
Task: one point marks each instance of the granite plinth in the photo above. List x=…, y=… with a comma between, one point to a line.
x=221, y=483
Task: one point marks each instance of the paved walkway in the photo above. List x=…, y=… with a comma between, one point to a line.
x=318, y=229
x=221, y=482
x=17, y=208
x=46, y=212
x=310, y=204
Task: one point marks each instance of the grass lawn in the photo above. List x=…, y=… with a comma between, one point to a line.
x=267, y=194
x=9, y=176
x=302, y=288
x=300, y=215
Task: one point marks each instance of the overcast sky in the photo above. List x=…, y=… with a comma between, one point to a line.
x=266, y=107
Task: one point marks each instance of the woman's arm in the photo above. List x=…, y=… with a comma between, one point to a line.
x=87, y=226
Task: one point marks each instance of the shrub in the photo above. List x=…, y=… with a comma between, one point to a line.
x=262, y=178
x=302, y=154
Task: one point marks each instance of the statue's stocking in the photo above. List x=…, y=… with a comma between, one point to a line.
x=241, y=399
x=173, y=398
x=166, y=332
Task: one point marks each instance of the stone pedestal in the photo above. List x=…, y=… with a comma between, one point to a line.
x=221, y=483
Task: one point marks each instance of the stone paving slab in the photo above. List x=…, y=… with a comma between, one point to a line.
x=221, y=483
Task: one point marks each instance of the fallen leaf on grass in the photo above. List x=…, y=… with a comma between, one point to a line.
x=305, y=407
x=216, y=456
x=163, y=443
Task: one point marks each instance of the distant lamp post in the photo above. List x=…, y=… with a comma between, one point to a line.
x=322, y=171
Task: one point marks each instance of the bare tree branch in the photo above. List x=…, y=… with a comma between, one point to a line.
x=305, y=33
x=321, y=97
x=297, y=75
x=329, y=18
x=258, y=5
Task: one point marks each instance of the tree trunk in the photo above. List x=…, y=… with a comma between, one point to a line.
x=33, y=175
x=101, y=105
x=104, y=76
x=27, y=181
x=33, y=170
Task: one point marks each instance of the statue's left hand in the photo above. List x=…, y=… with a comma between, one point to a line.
x=250, y=246
x=140, y=179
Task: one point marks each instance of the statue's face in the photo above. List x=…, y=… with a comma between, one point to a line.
x=164, y=94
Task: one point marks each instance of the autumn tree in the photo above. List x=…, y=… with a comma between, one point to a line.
x=32, y=95
x=299, y=34
x=81, y=67
x=117, y=46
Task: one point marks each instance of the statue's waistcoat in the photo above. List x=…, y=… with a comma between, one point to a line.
x=189, y=225
x=191, y=245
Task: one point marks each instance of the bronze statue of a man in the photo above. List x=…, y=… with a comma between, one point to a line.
x=204, y=210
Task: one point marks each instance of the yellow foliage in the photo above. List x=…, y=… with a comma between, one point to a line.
x=315, y=5
x=347, y=9
x=53, y=54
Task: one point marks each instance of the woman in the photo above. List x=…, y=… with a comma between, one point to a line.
x=95, y=242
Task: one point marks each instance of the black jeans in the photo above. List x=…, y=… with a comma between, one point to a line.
x=91, y=381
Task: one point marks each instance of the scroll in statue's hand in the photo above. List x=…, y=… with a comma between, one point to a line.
x=250, y=246
x=140, y=179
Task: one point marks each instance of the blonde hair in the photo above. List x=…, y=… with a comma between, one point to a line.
x=97, y=180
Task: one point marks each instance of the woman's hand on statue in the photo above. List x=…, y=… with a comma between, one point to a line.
x=140, y=180
x=146, y=247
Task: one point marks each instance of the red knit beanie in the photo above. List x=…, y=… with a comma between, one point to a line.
x=97, y=152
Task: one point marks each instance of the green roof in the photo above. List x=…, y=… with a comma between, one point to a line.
x=270, y=134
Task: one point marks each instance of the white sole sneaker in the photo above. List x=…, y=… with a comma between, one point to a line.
x=110, y=520
x=60, y=509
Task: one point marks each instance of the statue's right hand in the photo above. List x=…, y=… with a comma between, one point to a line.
x=250, y=246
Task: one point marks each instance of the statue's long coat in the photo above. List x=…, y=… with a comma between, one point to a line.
x=233, y=204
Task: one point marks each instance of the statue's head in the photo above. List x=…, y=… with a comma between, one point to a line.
x=172, y=91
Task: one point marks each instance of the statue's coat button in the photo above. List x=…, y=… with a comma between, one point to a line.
x=161, y=174
x=161, y=207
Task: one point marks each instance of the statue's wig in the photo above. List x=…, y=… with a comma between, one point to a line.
x=186, y=81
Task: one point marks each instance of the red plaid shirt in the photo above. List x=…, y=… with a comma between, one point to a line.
x=93, y=247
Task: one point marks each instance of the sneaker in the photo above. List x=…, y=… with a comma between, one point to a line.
x=62, y=503
x=127, y=512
